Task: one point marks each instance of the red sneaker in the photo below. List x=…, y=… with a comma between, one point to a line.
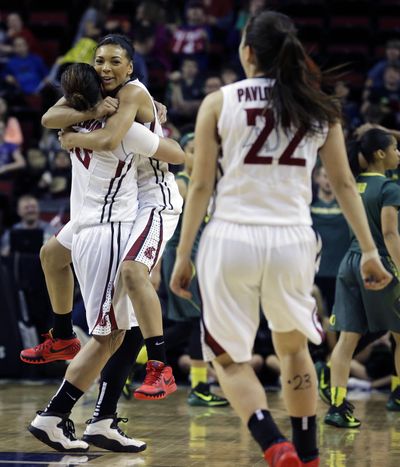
x=159, y=382
x=51, y=349
x=282, y=455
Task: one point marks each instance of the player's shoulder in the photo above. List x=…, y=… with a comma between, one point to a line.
x=132, y=90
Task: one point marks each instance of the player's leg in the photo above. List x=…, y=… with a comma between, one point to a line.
x=102, y=429
x=290, y=309
x=230, y=265
x=52, y=425
x=200, y=394
x=148, y=238
x=60, y=343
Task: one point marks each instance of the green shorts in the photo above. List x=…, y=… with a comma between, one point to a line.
x=359, y=310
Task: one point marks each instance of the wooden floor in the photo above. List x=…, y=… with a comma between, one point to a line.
x=183, y=436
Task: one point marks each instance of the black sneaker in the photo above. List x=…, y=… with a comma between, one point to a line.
x=324, y=381
x=393, y=403
x=104, y=432
x=202, y=396
x=342, y=416
x=57, y=431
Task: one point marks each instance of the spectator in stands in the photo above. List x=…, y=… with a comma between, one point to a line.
x=143, y=44
x=386, y=96
x=191, y=39
x=212, y=83
x=29, y=212
x=350, y=109
x=229, y=75
x=219, y=14
x=150, y=14
x=56, y=181
x=24, y=71
x=185, y=92
x=16, y=28
x=81, y=52
x=13, y=133
x=375, y=74
x=11, y=158
x=96, y=14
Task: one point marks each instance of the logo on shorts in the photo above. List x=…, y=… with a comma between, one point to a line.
x=149, y=252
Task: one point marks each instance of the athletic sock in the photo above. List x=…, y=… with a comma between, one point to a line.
x=156, y=348
x=63, y=326
x=198, y=374
x=64, y=399
x=304, y=434
x=338, y=395
x=115, y=373
x=264, y=429
x=395, y=382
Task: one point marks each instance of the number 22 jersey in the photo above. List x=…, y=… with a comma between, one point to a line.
x=265, y=171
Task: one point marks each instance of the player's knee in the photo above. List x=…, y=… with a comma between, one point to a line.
x=290, y=343
x=46, y=256
x=134, y=276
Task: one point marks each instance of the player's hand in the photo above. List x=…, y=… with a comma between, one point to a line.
x=66, y=139
x=161, y=112
x=181, y=276
x=106, y=107
x=374, y=275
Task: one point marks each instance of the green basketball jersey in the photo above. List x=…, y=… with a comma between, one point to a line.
x=330, y=223
x=174, y=240
x=377, y=191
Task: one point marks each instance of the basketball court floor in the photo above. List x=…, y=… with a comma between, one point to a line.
x=178, y=435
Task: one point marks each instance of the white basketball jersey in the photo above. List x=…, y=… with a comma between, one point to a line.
x=156, y=184
x=265, y=171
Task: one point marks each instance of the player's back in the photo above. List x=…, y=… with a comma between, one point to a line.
x=266, y=171
x=104, y=183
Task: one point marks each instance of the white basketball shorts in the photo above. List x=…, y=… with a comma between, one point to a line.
x=242, y=267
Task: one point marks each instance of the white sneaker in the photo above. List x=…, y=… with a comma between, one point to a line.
x=105, y=433
x=57, y=431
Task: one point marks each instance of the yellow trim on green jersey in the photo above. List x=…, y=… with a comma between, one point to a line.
x=321, y=210
x=372, y=174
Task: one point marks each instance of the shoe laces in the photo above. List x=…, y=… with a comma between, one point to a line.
x=48, y=340
x=69, y=428
x=114, y=423
x=153, y=374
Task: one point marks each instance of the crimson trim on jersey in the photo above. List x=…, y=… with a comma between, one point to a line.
x=160, y=240
x=117, y=174
x=212, y=343
x=137, y=246
x=110, y=263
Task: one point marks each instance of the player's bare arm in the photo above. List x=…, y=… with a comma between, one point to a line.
x=133, y=102
x=60, y=115
x=200, y=189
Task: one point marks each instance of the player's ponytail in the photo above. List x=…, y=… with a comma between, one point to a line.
x=296, y=97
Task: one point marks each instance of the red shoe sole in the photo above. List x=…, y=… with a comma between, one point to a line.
x=160, y=395
x=42, y=360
